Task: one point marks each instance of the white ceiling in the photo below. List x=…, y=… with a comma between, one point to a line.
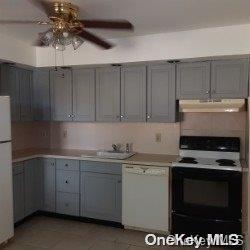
x=148, y=16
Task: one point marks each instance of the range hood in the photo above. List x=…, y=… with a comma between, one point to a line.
x=224, y=105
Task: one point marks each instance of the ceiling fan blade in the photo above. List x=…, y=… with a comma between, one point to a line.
x=86, y=35
x=107, y=24
x=39, y=43
x=43, y=5
x=24, y=22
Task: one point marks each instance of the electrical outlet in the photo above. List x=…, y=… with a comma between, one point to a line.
x=158, y=137
x=65, y=133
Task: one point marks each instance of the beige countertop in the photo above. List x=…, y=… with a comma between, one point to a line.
x=90, y=155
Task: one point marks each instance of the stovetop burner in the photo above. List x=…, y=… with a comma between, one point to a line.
x=226, y=162
x=190, y=160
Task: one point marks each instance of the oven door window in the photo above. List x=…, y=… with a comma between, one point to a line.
x=205, y=193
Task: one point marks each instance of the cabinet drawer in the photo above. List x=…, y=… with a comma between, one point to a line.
x=18, y=168
x=101, y=167
x=67, y=181
x=67, y=204
x=65, y=164
x=49, y=202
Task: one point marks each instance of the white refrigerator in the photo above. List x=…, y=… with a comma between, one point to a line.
x=6, y=188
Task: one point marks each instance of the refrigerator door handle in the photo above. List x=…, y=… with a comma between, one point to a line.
x=2, y=142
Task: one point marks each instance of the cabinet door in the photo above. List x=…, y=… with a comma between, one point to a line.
x=18, y=196
x=10, y=86
x=133, y=94
x=193, y=80
x=39, y=184
x=49, y=183
x=230, y=79
x=41, y=95
x=161, y=101
x=30, y=186
x=108, y=94
x=25, y=81
x=84, y=95
x=101, y=196
x=61, y=94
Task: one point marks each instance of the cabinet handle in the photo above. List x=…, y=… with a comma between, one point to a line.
x=66, y=165
x=67, y=182
x=148, y=117
x=73, y=116
x=69, y=116
x=207, y=92
x=67, y=204
x=122, y=116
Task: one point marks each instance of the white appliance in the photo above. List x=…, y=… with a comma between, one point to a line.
x=145, y=198
x=201, y=106
x=6, y=189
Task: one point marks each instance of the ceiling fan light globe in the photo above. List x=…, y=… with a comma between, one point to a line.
x=47, y=38
x=77, y=42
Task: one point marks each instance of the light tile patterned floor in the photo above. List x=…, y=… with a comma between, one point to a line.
x=41, y=233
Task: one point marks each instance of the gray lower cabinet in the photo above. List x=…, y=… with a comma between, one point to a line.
x=229, y=78
x=108, y=94
x=29, y=186
x=193, y=80
x=61, y=94
x=25, y=81
x=67, y=203
x=161, y=101
x=41, y=95
x=33, y=186
x=18, y=191
x=49, y=185
x=67, y=187
x=101, y=191
x=133, y=94
x=10, y=86
x=84, y=95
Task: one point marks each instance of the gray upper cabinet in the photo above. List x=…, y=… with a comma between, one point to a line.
x=161, y=101
x=108, y=94
x=193, y=80
x=61, y=94
x=25, y=80
x=133, y=94
x=10, y=86
x=230, y=79
x=84, y=95
x=41, y=95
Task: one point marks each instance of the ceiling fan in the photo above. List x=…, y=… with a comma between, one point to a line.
x=66, y=28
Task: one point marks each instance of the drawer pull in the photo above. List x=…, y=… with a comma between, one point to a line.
x=67, y=182
x=66, y=165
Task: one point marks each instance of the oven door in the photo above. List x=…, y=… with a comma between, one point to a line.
x=205, y=193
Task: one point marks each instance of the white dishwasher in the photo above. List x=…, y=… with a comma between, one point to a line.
x=145, y=198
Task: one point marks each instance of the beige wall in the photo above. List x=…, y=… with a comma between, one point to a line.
x=103, y=135
x=30, y=135
x=216, y=124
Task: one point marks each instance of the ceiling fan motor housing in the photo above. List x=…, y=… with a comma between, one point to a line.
x=65, y=10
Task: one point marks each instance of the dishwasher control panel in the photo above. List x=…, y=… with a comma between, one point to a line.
x=145, y=170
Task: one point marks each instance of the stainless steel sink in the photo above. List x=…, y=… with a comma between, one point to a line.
x=121, y=155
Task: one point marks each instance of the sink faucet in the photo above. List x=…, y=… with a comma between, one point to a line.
x=115, y=147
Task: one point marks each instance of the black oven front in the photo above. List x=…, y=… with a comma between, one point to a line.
x=206, y=201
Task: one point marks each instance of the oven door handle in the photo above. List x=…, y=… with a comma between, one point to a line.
x=204, y=219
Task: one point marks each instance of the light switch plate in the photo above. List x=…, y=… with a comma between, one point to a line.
x=158, y=137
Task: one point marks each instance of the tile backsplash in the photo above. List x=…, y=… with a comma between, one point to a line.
x=216, y=124
x=94, y=136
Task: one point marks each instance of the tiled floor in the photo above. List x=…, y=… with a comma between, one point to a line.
x=40, y=233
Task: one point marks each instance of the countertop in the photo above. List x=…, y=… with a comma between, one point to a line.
x=90, y=155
